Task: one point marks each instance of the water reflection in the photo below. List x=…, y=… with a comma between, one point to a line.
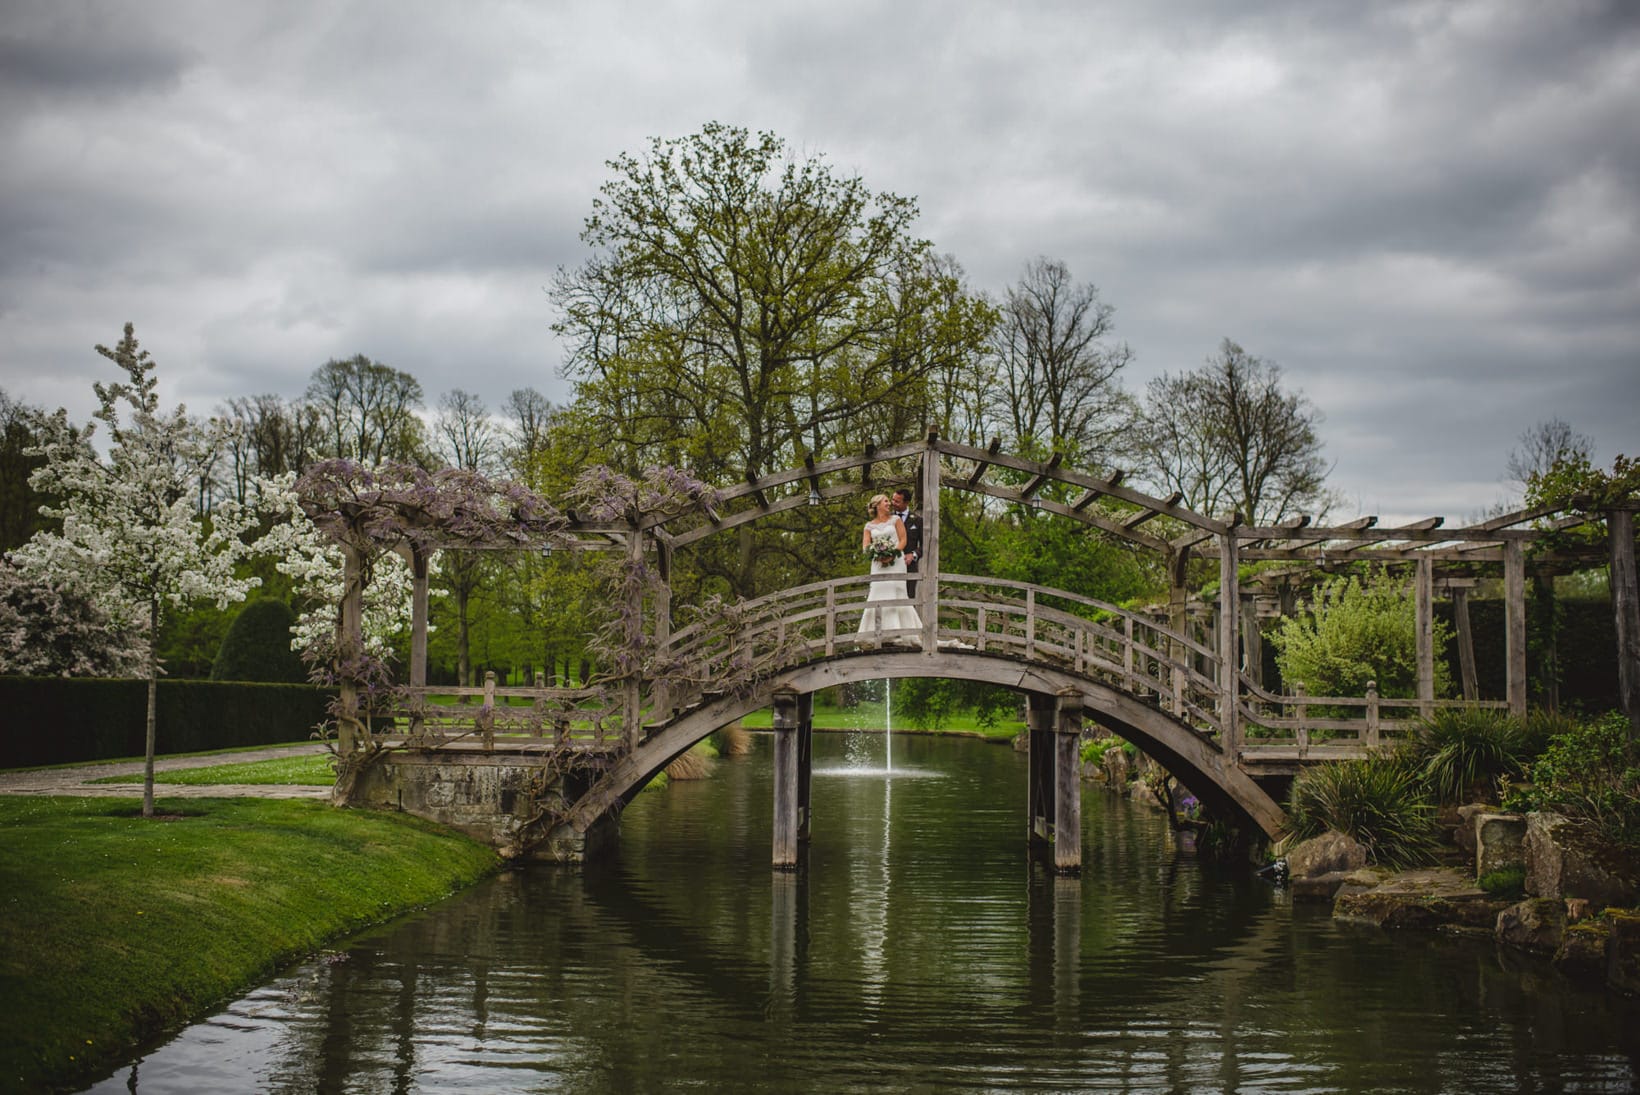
x=916, y=949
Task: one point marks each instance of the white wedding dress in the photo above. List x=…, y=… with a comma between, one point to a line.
x=892, y=616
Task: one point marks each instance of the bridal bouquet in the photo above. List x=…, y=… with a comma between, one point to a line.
x=885, y=547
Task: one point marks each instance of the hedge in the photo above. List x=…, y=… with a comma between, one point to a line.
x=57, y=720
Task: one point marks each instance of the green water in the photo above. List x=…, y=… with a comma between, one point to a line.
x=916, y=951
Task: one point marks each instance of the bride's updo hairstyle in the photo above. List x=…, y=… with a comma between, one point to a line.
x=871, y=506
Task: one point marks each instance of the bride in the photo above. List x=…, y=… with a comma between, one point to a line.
x=883, y=538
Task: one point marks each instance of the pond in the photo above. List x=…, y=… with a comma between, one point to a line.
x=917, y=950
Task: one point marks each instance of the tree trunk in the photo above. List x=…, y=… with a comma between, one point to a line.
x=153, y=708
x=464, y=667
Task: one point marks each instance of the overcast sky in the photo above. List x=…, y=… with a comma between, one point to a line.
x=1427, y=213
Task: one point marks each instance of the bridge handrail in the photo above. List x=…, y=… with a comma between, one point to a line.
x=795, y=592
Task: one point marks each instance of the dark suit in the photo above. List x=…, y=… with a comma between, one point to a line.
x=913, y=547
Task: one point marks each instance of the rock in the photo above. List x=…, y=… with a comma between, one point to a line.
x=1582, y=952
x=1577, y=908
x=1142, y=793
x=1464, y=832
x=1328, y=853
x=1623, y=951
x=1499, y=842
x=1117, y=768
x=1565, y=858
x=1536, y=924
x=1436, y=897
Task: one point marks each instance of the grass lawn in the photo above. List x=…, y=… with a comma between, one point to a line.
x=307, y=770
x=114, y=928
x=869, y=715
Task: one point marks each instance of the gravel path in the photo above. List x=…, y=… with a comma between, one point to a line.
x=74, y=781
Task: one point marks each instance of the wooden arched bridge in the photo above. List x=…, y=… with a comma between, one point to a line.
x=545, y=770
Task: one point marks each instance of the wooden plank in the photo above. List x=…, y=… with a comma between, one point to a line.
x=1097, y=520
x=983, y=462
x=1041, y=477
x=1147, y=514
x=1088, y=495
x=1082, y=479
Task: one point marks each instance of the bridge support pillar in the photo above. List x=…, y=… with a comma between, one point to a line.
x=1039, y=757
x=1067, y=781
x=793, y=773
x=1054, y=797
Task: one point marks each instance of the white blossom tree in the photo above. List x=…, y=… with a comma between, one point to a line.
x=132, y=537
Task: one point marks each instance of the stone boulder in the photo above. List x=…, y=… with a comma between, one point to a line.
x=1623, y=951
x=1499, y=842
x=1463, y=834
x=1536, y=924
x=1117, y=767
x=1327, y=887
x=1428, y=898
x=1141, y=792
x=1582, y=951
x=1331, y=852
x=1565, y=858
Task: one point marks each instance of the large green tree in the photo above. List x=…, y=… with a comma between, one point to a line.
x=743, y=307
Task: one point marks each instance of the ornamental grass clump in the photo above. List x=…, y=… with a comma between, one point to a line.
x=1467, y=751
x=1381, y=802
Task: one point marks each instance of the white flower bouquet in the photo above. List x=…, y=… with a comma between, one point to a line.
x=884, y=548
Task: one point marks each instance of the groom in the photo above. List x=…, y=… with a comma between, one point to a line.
x=913, y=536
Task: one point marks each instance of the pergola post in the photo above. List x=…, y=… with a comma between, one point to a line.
x=1514, y=628
x=1253, y=637
x=419, y=563
x=1424, y=598
x=1229, y=659
x=632, y=707
x=928, y=566
x=1625, y=613
x=1067, y=782
x=1466, y=643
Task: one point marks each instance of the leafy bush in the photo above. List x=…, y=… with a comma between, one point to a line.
x=257, y=646
x=1094, y=749
x=1591, y=772
x=1380, y=801
x=1356, y=631
x=1462, y=747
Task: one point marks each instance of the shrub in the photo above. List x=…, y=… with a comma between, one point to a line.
x=257, y=646
x=1353, y=632
x=1094, y=749
x=1591, y=772
x=1507, y=882
x=1463, y=747
x=1380, y=801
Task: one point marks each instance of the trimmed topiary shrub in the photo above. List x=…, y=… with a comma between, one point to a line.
x=257, y=646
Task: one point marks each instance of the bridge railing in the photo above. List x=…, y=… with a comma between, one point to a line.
x=1013, y=619
x=1300, y=727
x=436, y=715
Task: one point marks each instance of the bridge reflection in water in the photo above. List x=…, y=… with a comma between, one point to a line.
x=917, y=952
x=1182, y=679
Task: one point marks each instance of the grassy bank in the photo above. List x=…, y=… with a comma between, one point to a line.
x=115, y=928
x=306, y=770
x=870, y=715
